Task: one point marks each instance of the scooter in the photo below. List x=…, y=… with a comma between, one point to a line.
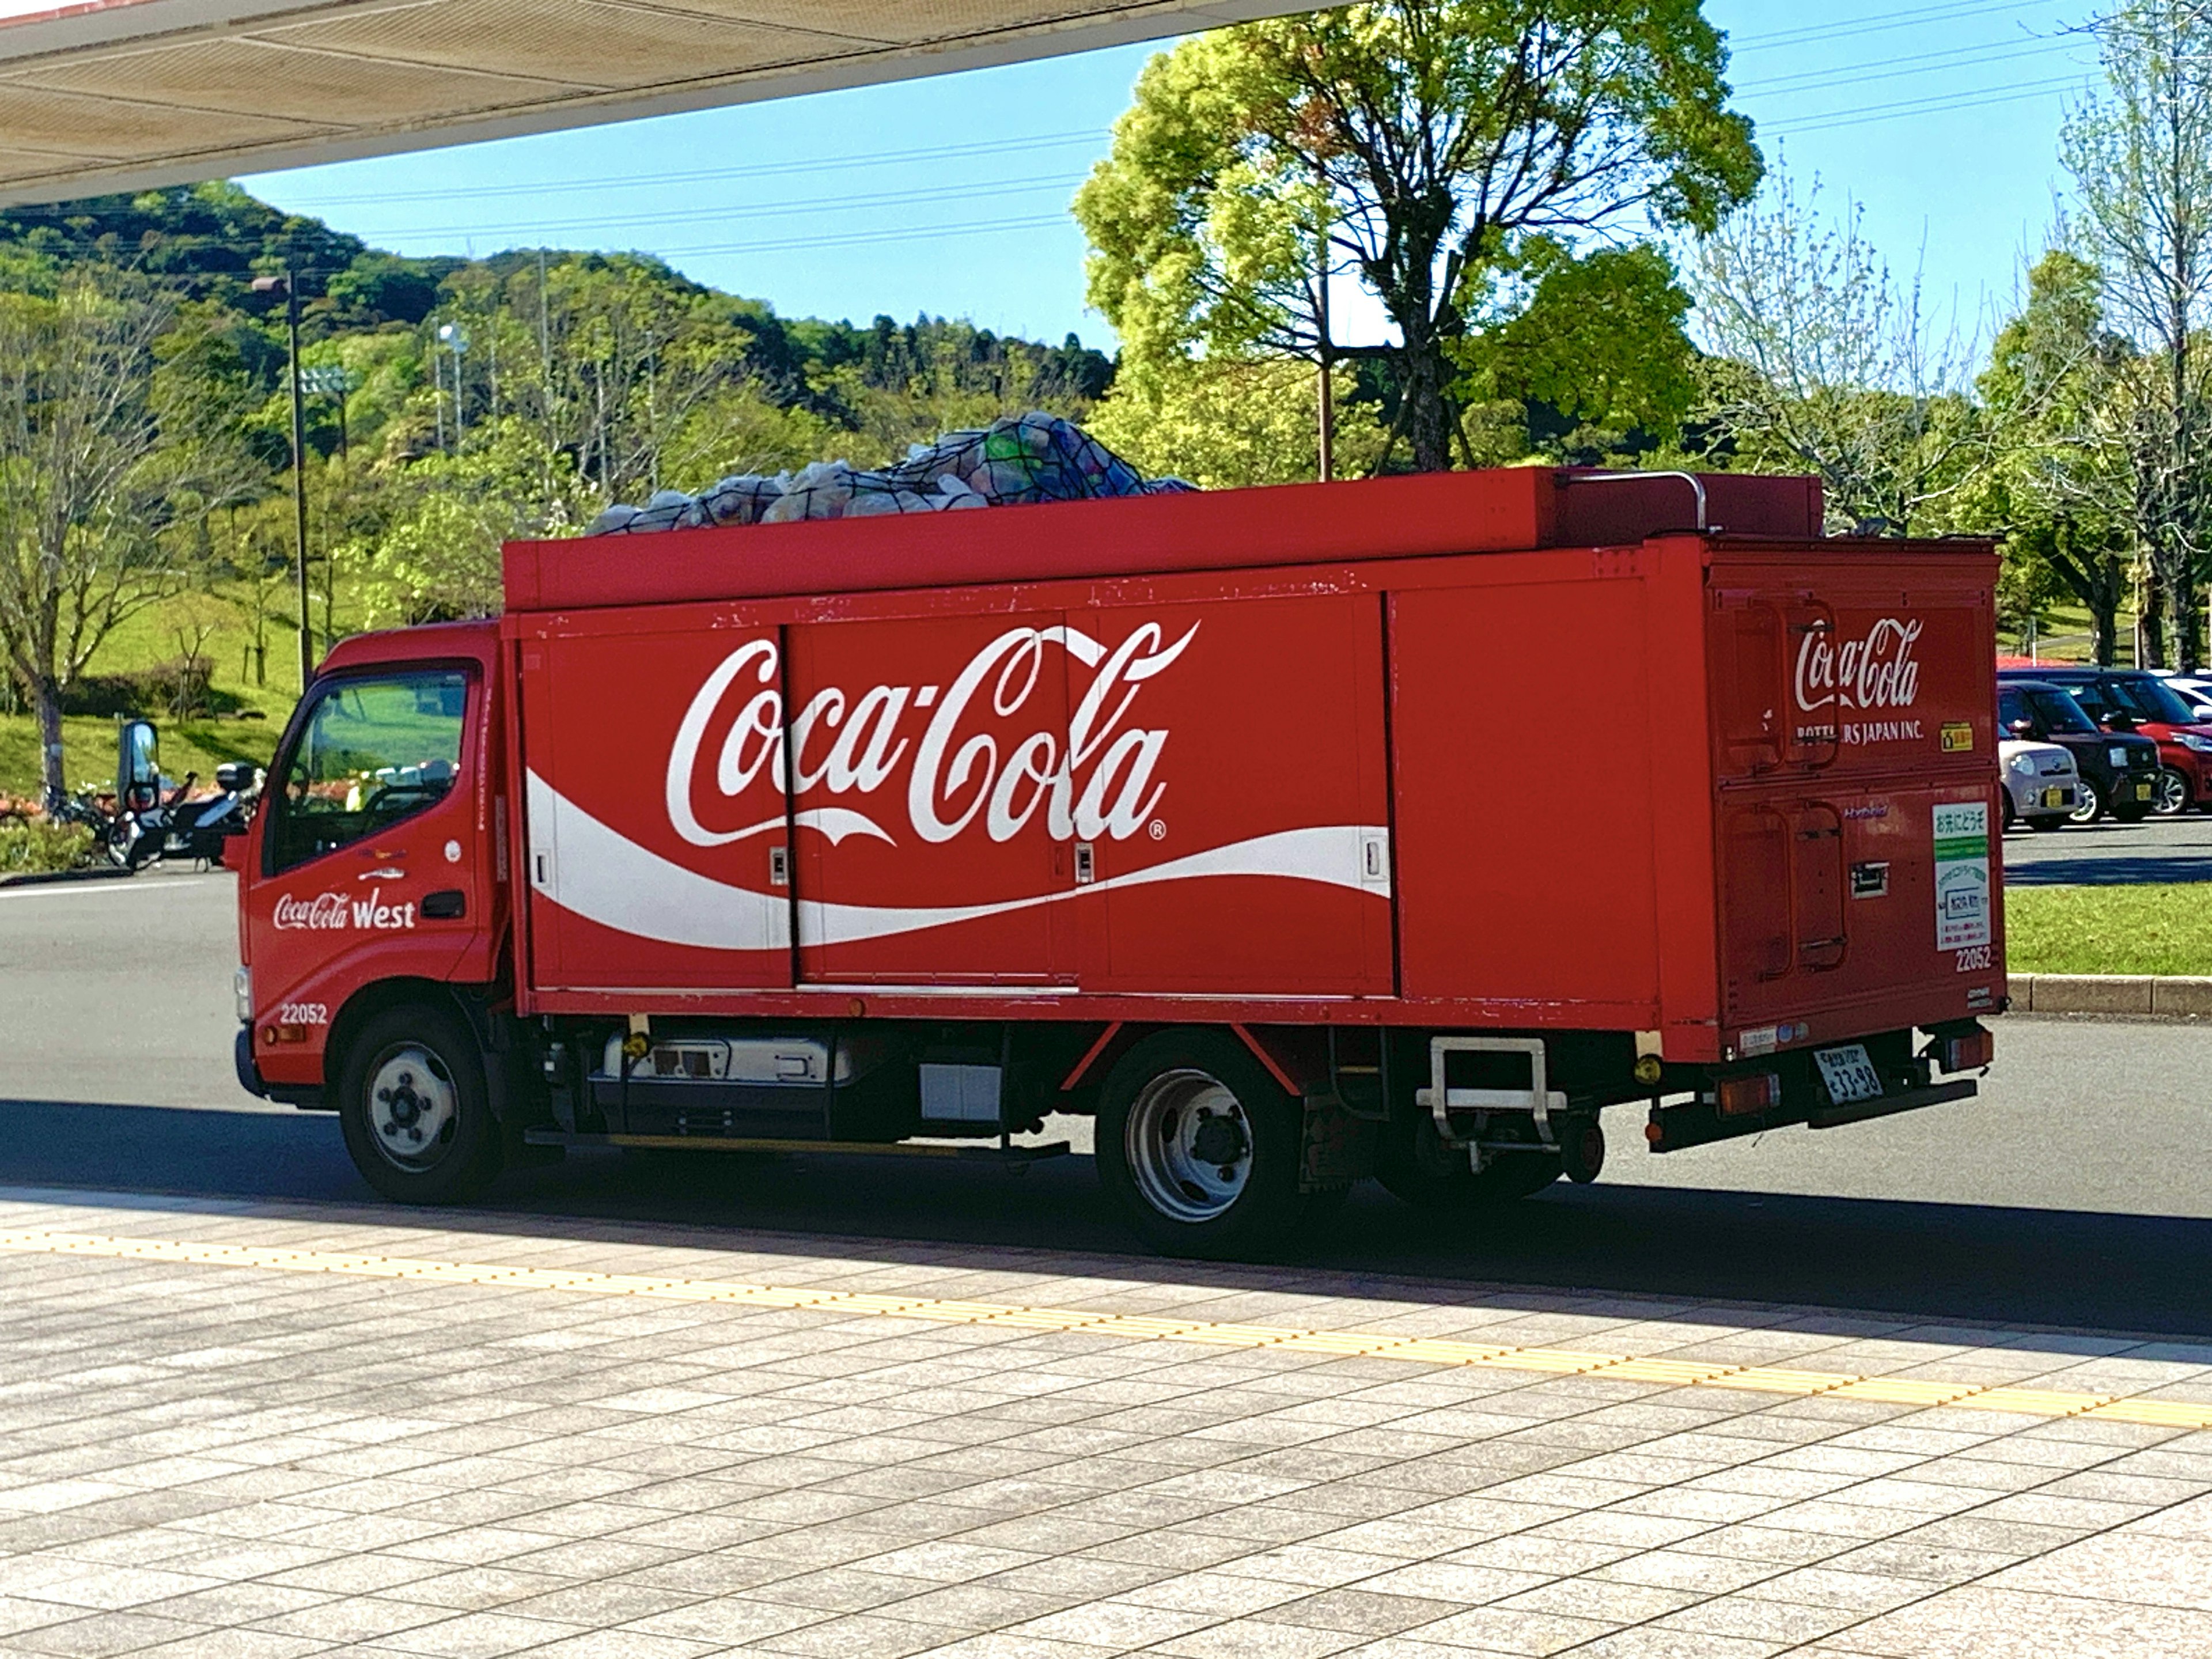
x=200, y=829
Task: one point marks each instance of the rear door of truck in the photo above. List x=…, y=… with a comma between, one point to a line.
x=1854, y=756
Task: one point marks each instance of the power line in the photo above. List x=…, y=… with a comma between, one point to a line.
x=1891, y=68
x=1938, y=105
x=1879, y=23
x=833, y=164
x=751, y=210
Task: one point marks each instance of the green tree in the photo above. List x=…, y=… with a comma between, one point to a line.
x=2140, y=152
x=1420, y=145
x=437, y=556
x=117, y=436
x=1595, y=343
x=1822, y=361
x=2057, y=392
x=1225, y=423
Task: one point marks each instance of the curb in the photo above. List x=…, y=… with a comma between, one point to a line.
x=50, y=877
x=2173, y=995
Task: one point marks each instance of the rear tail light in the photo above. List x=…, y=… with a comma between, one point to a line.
x=1753, y=1091
x=1968, y=1051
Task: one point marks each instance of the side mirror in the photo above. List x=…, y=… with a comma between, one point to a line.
x=2115, y=720
x=137, y=767
x=2021, y=728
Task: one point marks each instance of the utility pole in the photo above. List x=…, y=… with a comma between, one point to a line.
x=1327, y=397
x=289, y=286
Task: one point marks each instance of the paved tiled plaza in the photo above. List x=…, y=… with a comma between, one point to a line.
x=253, y=1429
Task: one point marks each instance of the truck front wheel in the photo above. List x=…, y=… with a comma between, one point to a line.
x=1200, y=1146
x=1416, y=1166
x=414, y=1107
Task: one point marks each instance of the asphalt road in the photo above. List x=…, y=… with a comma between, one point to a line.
x=2076, y=1191
x=2157, y=849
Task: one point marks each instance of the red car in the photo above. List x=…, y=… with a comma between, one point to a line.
x=2137, y=700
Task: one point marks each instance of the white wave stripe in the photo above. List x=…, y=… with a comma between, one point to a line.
x=603, y=876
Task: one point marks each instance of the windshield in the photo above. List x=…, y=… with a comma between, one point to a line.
x=373, y=751
x=2152, y=700
x=2054, y=711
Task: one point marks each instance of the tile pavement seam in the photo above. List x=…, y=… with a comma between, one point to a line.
x=1761, y=1379
x=1936, y=1590
x=2058, y=1474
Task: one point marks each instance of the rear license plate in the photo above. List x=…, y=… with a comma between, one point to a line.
x=1849, y=1073
x=2142, y=791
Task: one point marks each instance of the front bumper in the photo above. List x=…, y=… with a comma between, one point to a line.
x=2039, y=796
x=307, y=1098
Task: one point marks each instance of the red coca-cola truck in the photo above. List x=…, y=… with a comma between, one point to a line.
x=1400, y=828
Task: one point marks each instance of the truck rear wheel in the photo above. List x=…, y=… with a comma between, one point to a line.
x=414, y=1107
x=1200, y=1146
x=1416, y=1166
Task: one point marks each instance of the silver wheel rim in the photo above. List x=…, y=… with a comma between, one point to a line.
x=1189, y=1145
x=413, y=1107
x=2172, y=793
x=2091, y=801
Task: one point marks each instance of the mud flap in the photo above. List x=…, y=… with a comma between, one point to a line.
x=1339, y=1148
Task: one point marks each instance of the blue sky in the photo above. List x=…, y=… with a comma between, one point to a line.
x=950, y=195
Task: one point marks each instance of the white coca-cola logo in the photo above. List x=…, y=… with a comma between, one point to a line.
x=335, y=912
x=326, y=911
x=1875, y=673
x=1093, y=780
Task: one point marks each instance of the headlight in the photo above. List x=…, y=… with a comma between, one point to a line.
x=2024, y=764
x=2117, y=758
x=241, y=987
x=2190, y=740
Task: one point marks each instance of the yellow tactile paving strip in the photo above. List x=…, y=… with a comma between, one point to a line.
x=1374, y=1345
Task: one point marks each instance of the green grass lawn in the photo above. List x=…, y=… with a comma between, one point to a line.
x=152, y=637
x=2109, y=930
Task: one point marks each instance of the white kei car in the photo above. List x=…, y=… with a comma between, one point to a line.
x=2042, y=786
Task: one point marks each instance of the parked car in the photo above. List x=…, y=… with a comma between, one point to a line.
x=2042, y=785
x=2196, y=690
x=2139, y=701
x=2119, y=771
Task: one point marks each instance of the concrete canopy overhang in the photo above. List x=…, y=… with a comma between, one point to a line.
x=108, y=96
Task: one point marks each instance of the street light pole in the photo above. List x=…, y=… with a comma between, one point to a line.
x=289, y=285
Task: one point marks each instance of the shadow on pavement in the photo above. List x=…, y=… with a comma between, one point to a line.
x=2106, y=872
x=1977, y=1262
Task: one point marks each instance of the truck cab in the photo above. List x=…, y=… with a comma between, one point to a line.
x=371, y=877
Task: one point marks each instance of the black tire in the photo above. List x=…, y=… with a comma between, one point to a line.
x=414, y=1071
x=2044, y=822
x=2170, y=794
x=2004, y=795
x=1164, y=1090
x=2092, y=806
x=1417, y=1167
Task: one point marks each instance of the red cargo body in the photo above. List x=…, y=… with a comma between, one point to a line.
x=1616, y=789
x=1527, y=753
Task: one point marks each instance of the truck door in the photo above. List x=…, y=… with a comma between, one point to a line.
x=1230, y=804
x=924, y=752
x=370, y=855
x=657, y=849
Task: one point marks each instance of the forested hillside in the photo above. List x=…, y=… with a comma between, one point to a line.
x=451, y=403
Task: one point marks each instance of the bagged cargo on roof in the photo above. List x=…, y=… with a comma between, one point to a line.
x=1022, y=458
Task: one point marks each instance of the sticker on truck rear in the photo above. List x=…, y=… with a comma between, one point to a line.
x=1962, y=875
